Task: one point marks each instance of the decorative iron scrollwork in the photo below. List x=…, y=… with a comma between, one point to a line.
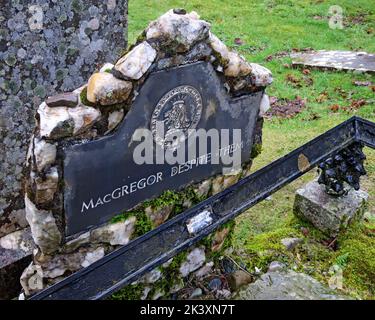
x=344, y=167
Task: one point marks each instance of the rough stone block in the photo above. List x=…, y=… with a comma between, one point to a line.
x=328, y=213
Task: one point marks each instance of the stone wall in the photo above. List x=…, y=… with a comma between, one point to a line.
x=46, y=46
x=95, y=110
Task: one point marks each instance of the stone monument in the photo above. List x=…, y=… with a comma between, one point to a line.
x=86, y=191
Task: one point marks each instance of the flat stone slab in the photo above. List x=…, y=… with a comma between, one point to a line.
x=339, y=60
x=287, y=285
x=328, y=213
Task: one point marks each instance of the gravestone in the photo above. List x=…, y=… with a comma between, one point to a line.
x=46, y=46
x=88, y=190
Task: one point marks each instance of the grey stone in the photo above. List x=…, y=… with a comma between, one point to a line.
x=276, y=266
x=47, y=51
x=205, y=270
x=179, y=32
x=69, y=99
x=238, y=279
x=287, y=285
x=43, y=228
x=194, y=260
x=260, y=76
x=18, y=240
x=291, y=243
x=44, y=153
x=16, y=220
x=215, y=284
x=328, y=213
x=339, y=60
x=114, y=119
x=118, y=233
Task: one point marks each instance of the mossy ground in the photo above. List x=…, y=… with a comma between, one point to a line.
x=267, y=27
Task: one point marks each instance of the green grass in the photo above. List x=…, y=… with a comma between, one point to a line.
x=271, y=26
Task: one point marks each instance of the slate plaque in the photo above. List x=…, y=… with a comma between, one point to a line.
x=101, y=178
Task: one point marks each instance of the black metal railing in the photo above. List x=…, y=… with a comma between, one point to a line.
x=143, y=254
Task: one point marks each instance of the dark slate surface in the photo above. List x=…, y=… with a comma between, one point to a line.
x=47, y=47
x=96, y=168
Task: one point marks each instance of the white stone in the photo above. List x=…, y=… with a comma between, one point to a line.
x=261, y=76
x=107, y=66
x=114, y=119
x=182, y=30
x=105, y=89
x=45, y=154
x=265, y=105
x=74, y=244
x=62, y=122
x=194, y=260
x=43, y=227
x=237, y=66
x=118, y=233
x=32, y=279
x=218, y=46
x=291, y=243
x=92, y=257
x=18, y=240
x=136, y=62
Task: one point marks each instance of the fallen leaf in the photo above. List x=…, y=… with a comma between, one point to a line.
x=238, y=41
x=334, y=108
x=306, y=71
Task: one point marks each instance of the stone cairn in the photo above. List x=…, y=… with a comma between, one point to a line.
x=95, y=110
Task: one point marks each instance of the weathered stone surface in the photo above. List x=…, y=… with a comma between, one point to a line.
x=287, y=286
x=237, y=66
x=328, y=213
x=340, y=60
x=194, y=260
x=118, y=233
x=46, y=186
x=18, y=240
x=238, y=279
x=219, y=47
x=43, y=228
x=92, y=257
x=178, y=31
x=136, y=62
x=47, y=47
x=32, y=279
x=201, y=51
x=151, y=277
x=217, y=185
x=291, y=243
x=63, y=122
x=105, y=89
x=159, y=215
x=276, y=266
x=204, y=188
x=44, y=153
x=16, y=220
x=69, y=99
x=260, y=76
x=114, y=119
